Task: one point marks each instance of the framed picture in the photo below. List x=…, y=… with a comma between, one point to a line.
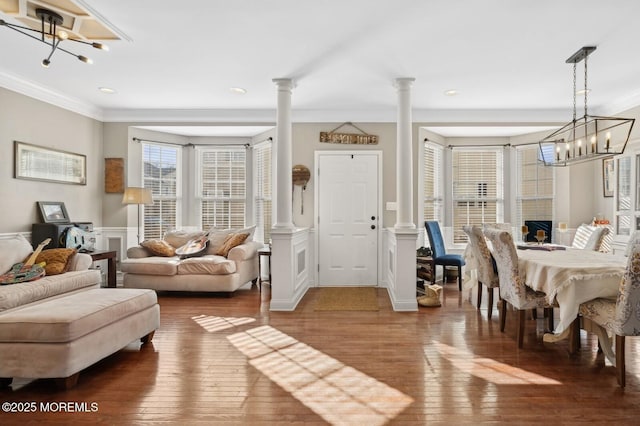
x=53, y=212
x=607, y=177
x=35, y=162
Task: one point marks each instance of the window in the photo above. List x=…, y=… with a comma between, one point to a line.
x=477, y=188
x=222, y=187
x=623, y=196
x=432, y=199
x=534, y=188
x=161, y=168
x=262, y=191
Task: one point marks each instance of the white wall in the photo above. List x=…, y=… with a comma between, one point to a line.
x=28, y=120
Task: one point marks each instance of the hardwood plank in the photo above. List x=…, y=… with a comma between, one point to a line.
x=453, y=364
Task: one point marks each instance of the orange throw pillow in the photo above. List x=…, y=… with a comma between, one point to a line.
x=57, y=260
x=230, y=242
x=159, y=248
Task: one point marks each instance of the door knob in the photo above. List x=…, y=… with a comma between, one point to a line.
x=373, y=227
x=373, y=218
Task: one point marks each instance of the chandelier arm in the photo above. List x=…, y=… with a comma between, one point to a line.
x=18, y=27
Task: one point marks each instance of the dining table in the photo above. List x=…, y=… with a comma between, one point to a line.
x=570, y=277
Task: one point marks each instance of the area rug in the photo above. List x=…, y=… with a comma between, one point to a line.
x=347, y=299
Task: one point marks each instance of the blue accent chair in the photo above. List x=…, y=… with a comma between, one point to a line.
x=440, y=256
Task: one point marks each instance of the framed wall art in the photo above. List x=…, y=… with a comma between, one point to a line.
x=53, y=212
x=35, y=162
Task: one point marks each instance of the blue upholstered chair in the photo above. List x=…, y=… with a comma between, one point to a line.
x=440, y=256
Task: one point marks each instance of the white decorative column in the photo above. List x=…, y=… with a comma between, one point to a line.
x=289, y=246
x=403, y=237
x=404, y=157
x=283, y=163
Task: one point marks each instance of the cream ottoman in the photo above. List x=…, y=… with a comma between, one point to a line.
x=58, y=337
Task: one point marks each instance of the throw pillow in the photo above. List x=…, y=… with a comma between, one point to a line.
x=216, y=239
x=56, y=260
x=13, y=250
x=231, y=241
x=159, y=248
x=179, y=238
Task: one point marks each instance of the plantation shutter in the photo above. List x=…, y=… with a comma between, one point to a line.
x=477, y=188
x=222, y=189
x=432, y=182
x=534, y=193
x=160, y=165
x=262, y=192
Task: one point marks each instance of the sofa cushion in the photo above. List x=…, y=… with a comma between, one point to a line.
x=217, y=239
x=151, y=265
x=57, y=260
x=206, y=265
x=23, y=293
x=137, y=252
x=230, y=242
x=159, y=247
x=13, y=250
x=70, y=317
x=179, y=238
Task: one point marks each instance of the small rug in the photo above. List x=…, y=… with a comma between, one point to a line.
x=347, y=299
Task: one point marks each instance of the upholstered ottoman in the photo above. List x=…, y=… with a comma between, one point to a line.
x=58, y=337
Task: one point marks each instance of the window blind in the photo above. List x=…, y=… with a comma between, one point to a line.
x=432, y=195
x=161, y=169
x=477, y=188
x=262, y=192
x=222, y=187
x=535, y=183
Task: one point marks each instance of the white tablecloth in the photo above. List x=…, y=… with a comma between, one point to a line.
x=571, y=277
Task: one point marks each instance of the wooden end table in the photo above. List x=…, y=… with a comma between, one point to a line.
x=110, y=256
x=265, y=251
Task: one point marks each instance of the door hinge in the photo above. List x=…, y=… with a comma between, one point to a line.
x=318, y=267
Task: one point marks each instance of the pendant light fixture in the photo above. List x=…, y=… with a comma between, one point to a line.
x=589, y=137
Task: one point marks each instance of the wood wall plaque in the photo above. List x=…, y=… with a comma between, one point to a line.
x=362, y=138
x=114, y=175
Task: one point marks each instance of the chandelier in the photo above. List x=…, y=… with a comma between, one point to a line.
x=586, y=138
x=50, y=35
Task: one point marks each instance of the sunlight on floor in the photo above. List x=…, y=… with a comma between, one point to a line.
x=213, y=324
x=338, y=393
x=489, y=369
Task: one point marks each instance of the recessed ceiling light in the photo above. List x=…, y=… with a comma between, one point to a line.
x=451, y=92
x=238, y=90
x=107, y=90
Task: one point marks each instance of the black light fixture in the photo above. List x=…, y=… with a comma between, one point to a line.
x=589, y=137
x=50, y=35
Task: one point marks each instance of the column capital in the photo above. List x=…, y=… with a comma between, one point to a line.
x=287, y=83
x=404, y=82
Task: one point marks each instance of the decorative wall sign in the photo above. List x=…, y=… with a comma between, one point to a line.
x=362, y=138
x=114, y=175
x=35, y=162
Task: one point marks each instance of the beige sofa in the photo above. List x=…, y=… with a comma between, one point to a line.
x=58, y=325
x=208, y=273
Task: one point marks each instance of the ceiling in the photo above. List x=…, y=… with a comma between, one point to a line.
x=506, y=59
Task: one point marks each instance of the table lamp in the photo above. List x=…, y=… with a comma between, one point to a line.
x=137, y=195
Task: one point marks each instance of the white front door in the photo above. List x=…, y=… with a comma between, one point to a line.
x=348, y=209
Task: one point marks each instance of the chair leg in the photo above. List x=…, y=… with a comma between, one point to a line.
x=549, y=312
x=620, y=368
x=460, y=278
x=520, y=332
x=479, y=295
x=574, y=329
x=503, y=315
x=490, y=307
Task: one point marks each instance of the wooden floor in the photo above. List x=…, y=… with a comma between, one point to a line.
x=218, y=360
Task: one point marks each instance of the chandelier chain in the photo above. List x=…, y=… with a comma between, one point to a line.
x=586, y=90
x=574, y=92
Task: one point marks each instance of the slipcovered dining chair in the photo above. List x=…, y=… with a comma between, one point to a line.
x=512, y=286
x=487, y=274
x=440, y=256
x=620, y=317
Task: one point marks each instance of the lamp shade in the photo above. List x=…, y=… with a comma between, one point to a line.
x=137, y=195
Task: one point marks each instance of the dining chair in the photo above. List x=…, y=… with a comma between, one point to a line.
x=512, y=286
x=487, y=272
x=620, y=317
x=440, y=256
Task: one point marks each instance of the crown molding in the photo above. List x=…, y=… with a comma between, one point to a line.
x=41, y=93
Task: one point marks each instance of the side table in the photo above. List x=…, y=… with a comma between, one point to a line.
x=265, y=251
x=110, y=256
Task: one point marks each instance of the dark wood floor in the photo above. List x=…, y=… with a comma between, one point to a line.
x=218, y=360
